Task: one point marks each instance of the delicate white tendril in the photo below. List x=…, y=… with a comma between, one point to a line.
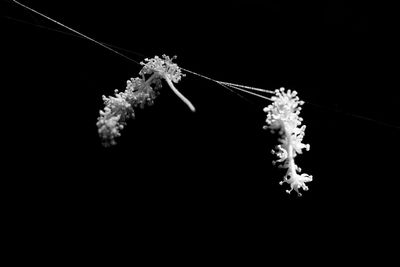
x=169, y=71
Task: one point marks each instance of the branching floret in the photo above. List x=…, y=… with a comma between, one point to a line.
x=119, y=108
x=165, y=67
x=283, y=115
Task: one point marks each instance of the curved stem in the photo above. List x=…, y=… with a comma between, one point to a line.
x=182, y=97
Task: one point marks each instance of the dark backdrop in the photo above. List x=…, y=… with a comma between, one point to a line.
x=214, y=163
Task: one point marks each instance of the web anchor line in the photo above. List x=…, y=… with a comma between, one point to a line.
x=76, y=32
x=226, y=85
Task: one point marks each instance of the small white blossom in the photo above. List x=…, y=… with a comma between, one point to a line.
x=164, y=67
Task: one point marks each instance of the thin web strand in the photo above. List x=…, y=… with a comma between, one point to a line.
x=118, y=53
x=81, y=34
x=125, y=50
x=216, y=81
x=356, y=116
x=71, y=34
x=252, y=93
x=236, y=93
x=248, y=87
x=223, y=84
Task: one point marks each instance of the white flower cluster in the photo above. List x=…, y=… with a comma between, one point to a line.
x=283, y=115
x=112, y=119
x=118, y=109
x=164, y=67
x=139, y=92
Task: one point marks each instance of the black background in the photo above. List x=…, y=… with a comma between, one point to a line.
x=212, y=166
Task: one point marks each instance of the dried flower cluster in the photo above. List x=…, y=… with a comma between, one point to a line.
x=138, y=93
x=283, y=115
x=119, y=108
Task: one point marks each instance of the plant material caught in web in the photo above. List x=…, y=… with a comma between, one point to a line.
x=139, y=92
x=283, y=115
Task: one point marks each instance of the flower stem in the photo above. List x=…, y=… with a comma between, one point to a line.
x=182, y=97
